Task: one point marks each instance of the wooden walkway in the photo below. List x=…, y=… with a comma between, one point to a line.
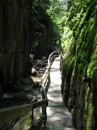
x=58, y=116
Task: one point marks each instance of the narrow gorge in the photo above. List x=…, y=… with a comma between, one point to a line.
x=38, y=27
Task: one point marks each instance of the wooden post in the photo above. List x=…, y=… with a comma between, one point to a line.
x=45, y=114
x=32, y=117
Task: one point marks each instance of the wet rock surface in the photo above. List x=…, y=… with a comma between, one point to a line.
x=15, y=40
x=37, y=66
x=29, y=89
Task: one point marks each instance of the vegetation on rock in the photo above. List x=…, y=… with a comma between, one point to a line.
x=80, y=54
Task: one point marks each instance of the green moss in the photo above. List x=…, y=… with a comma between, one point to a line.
x=93, y=63
x=89, y=111
x=72, y=112
x=67, y=40
x=90, y=117
x=24, y=123
x=80, y=63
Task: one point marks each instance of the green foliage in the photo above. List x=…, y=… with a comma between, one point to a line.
x=67, y=40
x=47, y=19
x=56, y=12
x=42, y=27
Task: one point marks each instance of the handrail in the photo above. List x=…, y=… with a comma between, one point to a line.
x=11, y=113
x=52, y=56
x=50, y=60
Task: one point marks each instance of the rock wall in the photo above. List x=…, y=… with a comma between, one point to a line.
x=24, y=26
x=79, y=86
x=15, y=39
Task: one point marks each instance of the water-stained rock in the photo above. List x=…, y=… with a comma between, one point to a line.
x=15, y=39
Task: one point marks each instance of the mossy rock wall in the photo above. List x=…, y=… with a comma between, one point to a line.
x=79, y=85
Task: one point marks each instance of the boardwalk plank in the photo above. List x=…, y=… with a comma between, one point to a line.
x=59, y=118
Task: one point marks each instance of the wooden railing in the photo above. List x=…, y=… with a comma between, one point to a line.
x=12, y=113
